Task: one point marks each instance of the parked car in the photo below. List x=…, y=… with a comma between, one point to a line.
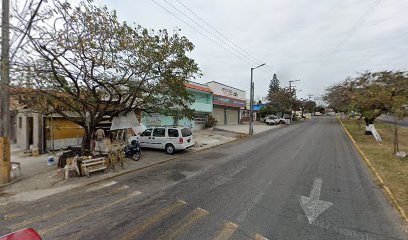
x=169, y=138
x=272, y=120
x=264, y=119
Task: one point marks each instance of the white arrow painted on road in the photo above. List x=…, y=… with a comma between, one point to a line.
x=312, y=206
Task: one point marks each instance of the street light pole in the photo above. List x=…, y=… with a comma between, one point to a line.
x=251, y=101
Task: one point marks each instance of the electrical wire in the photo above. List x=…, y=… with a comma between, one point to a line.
x=358, y=24
x=350, y=33
x=236, y=53
x=220, y=34
x=189, y=25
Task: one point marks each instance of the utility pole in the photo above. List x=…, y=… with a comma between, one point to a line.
x=290, y=91
x=5, y=164
x=251, y=101
x=5, y=71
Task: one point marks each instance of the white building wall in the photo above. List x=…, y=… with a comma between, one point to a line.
x=227, y=91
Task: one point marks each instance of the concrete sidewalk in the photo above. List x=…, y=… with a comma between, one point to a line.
x=244, y=128
x=40, y=180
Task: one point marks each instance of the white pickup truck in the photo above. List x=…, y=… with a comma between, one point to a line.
x=273, y=120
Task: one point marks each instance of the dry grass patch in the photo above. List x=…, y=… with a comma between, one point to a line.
x=393, y=170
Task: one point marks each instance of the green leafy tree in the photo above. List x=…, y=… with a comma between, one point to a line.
x=310, y=106
x=274, y=85
x=282, y=101
x=267, y=110
x=371, y=94
x=320, y=109
x=339, y=95
x=87, y=65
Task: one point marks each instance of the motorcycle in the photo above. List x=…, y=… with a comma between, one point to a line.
x=133, y=150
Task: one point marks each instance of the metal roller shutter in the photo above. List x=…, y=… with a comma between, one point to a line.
x=232, y=116
x=218, y=113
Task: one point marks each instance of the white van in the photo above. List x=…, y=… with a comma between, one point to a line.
x=169, y=138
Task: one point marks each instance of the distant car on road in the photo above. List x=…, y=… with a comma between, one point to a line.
x=169, y=138
x=318, y=114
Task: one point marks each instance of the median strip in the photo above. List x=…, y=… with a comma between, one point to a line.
x=380, y=180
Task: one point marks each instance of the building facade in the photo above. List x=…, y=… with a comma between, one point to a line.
x=202, y=106
x=227, y=103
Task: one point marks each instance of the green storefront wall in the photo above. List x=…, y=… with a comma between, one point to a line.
x=202, y=105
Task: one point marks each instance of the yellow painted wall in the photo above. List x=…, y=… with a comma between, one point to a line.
x=63, y=129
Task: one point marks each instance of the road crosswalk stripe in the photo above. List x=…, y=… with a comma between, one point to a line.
x=181, y=226
x=260, y=237
x=86, y=214
x=148, y=223
x=226, y=231
x=57, y=212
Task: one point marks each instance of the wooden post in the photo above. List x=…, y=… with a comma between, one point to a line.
x=5, y=164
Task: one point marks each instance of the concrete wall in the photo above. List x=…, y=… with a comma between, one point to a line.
x=156, y=119
x=24, y=130
x=227, y=91
x=62, y=133
x=21, y=132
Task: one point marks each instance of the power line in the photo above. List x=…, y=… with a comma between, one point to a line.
x=220, y=34
x=351, y=32
x=28, y=28
x=195, y=29
x=206, y=30
x=358, y=24
x=240, y=56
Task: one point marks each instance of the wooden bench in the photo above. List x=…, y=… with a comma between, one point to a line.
x=93, y=165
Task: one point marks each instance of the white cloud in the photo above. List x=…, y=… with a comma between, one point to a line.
x=296, y=38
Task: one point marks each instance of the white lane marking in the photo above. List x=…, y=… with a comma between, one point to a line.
x=251, y=205
x=260, y=237
x=312, y=206
x=225, y=179
x=123, y=187
x=102, y=185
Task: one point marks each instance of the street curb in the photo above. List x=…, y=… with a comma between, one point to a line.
x=158, y=163
x=380, y=180
x=242, y=137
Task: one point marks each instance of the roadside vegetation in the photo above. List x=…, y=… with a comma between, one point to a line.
x=392, y=169
x=371, y=94
x=281, y=101
x=88, y=65
x=360, y=100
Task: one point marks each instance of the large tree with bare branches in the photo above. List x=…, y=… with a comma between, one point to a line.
x=84, y=64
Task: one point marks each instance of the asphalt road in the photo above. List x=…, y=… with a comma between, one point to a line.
x=303, y=181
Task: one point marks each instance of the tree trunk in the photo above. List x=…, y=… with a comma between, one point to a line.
x=86, y=141
x=396, y=147
x=368, y=121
